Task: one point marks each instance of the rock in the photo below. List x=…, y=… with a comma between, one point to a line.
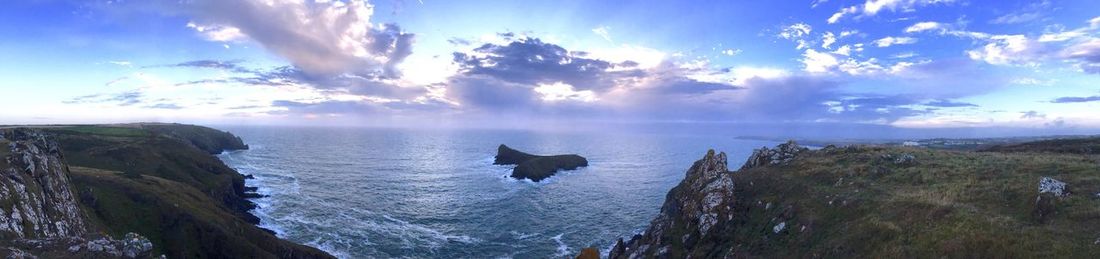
x=1050, y=191
x=35, y=183
x=698, y=205
x=589, y=253
x=536, y=167
x=134, y=245
x=782, y=154
x=1052, y=186
x=779, y=227
x=904, y=159
x=509, y=156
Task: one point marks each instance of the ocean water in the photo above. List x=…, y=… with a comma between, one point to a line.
x=381, y=193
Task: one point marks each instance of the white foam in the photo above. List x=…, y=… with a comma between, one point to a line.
x=563, y=249
x=521, y=236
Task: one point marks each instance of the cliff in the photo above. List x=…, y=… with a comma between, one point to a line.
x=536, y=167
x=150, y=188
x=39, y=212
x=879, y=202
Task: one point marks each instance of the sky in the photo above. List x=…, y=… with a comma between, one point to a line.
x=900, y=64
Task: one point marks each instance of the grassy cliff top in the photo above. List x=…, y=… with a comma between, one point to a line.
x=888, y=202
x=162, y=181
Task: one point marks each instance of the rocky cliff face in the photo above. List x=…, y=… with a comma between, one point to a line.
x=690, y=212
x=37, y=198
x=39, y=212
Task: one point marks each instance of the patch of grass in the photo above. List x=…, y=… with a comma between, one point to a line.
x=180, y=220
x=107, y=131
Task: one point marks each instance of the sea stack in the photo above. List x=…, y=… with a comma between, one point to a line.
x=536, y=167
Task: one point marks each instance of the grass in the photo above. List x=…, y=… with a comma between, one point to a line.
x=106, y=131
x=950, y=204
x=181, y=221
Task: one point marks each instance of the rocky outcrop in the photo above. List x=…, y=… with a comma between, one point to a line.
x=536, y=167
x=37, y=198
x=782, y=154
x=690, y=212
x=39, y=212
x=589, y=253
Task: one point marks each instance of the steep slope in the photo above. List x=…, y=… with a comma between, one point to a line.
x=39, y=212
x=879, y=202
x=157, y=183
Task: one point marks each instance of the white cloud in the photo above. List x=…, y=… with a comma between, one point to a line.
x=795, y=31
x=603, y=32
x=890, y=41
x=731, y=52
x=322, y=39
x=818, y=62
x=873, y=7
x=1007, y=50
x=827, y=40
x=923, y=26
x=218, y=32
x=845, y=50
x=1032, y=81
x=840, y=14
x=121, y=63
x=848, y=33
x=560, y=91
x=742, y=74
x=1029, y=13
x=1014, y=18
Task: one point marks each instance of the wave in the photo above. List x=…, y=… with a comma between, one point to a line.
x=562, y=249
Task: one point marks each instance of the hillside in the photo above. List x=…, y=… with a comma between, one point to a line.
x=880, y=202
x=160, y=182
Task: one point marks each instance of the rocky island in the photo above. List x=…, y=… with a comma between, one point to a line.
x=536, y=167
x=128, y=191
x=1021, y=201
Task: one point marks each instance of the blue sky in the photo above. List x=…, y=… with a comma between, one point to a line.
x=922, y=64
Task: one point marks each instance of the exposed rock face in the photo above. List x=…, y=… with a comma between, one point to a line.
x=37, y=198
x=39, y=213
x=536, y=167
x=691, y=210
x=782, y=154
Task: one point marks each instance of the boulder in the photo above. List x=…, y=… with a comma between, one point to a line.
x=589, y=253
x=782, y=154
x=1050, y=191
x=536, y=167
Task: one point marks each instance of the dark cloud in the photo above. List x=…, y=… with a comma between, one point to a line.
x=1076, y=99
x=1032, y=115
x=1087, y=55
x=949, y=104
x=121, y=99
x=290, y=75
x=531, y=61
x=231, y=65
x=168, y=106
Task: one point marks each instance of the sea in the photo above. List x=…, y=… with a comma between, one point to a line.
x=409, y=193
